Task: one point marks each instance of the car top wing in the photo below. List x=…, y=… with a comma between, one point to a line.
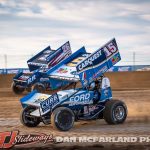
x=98, y=62
x=66, y=70
x=48, y=58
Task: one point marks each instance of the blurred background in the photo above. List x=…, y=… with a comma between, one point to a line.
x=134, y=59
x=27, y=27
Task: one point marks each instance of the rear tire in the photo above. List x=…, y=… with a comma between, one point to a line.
x=115, y=112
x=26, y=119
x=39, y=87
x=62, y=119
x=15, y=89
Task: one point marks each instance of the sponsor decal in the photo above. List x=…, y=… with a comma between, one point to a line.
x=47, y=52
x=115, y=59
x=65, y=78
x=31, y=79
x=89, y=109
x=53, y=58
x=10, y=139
x=104, y=69
x=60, y=53
x=99, y=57
x=49, y=103
x=23, y=77
x=12, y=71
x=37, y=64
x=123, y=68
x=43, y=58
x=80, y=99
x=110, y=49
x=26, y=71
x=84, y=78
x=62, y=70
x=41, y=98
x=85, y=55
x=66, y=48
x=89, y=60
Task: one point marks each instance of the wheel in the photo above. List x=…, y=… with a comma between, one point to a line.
x=28, y=120
x=62, y=118
x=115, y=112
x=39, y=87
x=28, y=89
x=16, y=89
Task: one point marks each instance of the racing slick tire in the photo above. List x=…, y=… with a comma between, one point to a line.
x=17, y=90
x=39, y=87
x=115, y=112
x=28, y=89
x=62, y=119
x=26, y=119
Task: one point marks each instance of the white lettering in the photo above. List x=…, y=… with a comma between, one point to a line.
x=90, y=60
x=80, y=98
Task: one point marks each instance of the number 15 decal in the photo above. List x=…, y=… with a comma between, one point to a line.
x=110, y=49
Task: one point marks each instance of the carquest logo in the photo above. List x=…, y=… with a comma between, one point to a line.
x=89, y=60
x=80, y=98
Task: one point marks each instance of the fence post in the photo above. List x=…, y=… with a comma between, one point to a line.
x=5, y=59
x=133, y=61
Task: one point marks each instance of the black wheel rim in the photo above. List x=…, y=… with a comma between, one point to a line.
x=28, y=118
x=64, y=119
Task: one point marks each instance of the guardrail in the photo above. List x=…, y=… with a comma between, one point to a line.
x=113, y=69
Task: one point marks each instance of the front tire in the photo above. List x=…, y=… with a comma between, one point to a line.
x=16, y=89
x=115, y=112
x=28, y=120
x=62, y=118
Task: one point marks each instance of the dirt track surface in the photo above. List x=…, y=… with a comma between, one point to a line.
x=137, y=123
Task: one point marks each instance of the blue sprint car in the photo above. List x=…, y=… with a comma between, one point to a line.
x=91, y=100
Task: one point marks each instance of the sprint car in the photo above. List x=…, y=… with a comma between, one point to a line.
x=39, y=65
x=93, y=100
